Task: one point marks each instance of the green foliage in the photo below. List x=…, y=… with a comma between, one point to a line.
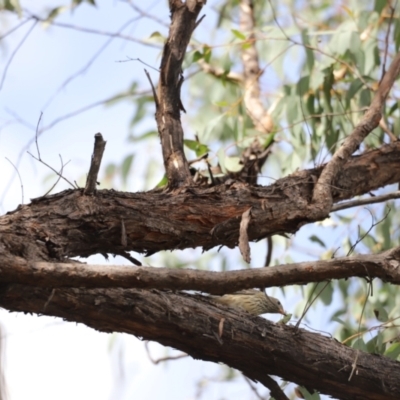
x=11, y=5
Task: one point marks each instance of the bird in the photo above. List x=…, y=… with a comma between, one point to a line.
x=254, y=301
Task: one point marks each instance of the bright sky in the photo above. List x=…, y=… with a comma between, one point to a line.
x=47, y=358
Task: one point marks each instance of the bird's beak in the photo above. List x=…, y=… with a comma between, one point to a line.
x=282, y=311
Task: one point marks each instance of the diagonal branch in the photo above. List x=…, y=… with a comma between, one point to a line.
x=322, y=196
x=385, y=266
x=261, y=118
x=169, y=105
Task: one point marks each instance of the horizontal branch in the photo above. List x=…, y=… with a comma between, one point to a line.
x=70, y=224
x=212, y=332
x=384, y=266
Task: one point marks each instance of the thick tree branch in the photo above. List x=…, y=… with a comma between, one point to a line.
x=385, y=266
x=191, y=323
x=70, y=224
x=322, y=196
x=168, y=104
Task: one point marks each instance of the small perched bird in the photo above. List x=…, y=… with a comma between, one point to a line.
x=253, y=301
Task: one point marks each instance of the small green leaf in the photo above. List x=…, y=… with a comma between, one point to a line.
x=197, y=56
x=381, y=314
x=197, y=147
x=207, y=53
x=393, y=351
x=126, y=167
x=233, y=164
x=316, y=239
x=307, y=395
x=238, y=34
x=155, y=34
x=284, y=320
x=163, y=182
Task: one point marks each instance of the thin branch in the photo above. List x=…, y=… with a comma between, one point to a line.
x=14, y=53
x=117, y=35
x=270, y=246
x=363, y=202
x=36, y=134
x=392, y=10
x=385, y=266
x=15, y=28
x=83, y=70
x=20, y=180
x=152, y=88
x=162, y=359
x=91, y=182
x=276, y=392
x=253, y=388
x=55, y=171
x=261, y=118
x=60, y=174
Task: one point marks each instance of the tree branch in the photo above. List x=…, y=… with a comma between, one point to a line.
x=261, y=118
x=68, y=224
x=169, y=104
x=99, y=146
x=191, y=323
x=385, y=266
x=322, y=196
x=366, y=201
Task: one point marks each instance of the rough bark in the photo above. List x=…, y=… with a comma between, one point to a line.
x=168, y=97
x=71, y=224
x=216, y=333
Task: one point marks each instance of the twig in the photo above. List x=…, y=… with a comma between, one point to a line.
x=310, y=303
x=146, y=14
x=387, y=38
x=152, y=88
x=91, y=182
x=14, y=53
x=117, y=35
x=363, y=202
x=53, y=292
x=48, y=166
x=253, y=388
x=36, y=133
x=276, y=392
x=360, y=238
x=15, y=28
x=162, y=359
x=59, y=176
x=133, y=260
x=88, y=64
x=20, y=180
x=270, y=246
x=141, y=61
